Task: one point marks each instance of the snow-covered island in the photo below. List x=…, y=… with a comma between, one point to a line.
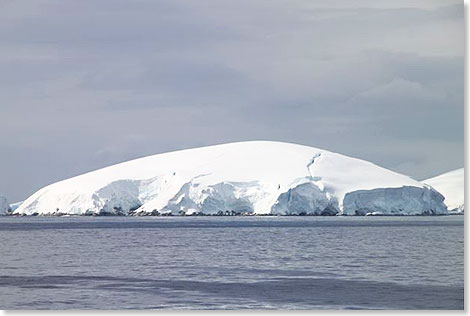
x=256, y=177
x=451, y=185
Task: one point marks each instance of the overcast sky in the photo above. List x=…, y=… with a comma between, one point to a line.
x=85, y=84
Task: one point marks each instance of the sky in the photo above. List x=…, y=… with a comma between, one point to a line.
x=86, y=84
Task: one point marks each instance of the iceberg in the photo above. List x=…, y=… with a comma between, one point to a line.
x=14, y=206
x=4, y=206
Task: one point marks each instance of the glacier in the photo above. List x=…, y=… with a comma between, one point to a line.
x=452, y=185
x=248, y=178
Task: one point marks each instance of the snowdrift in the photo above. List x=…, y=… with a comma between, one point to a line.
x=257, y=177
x=451, y=185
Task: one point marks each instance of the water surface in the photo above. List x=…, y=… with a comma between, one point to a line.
x=231, y=262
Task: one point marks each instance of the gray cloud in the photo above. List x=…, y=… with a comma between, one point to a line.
x=87, y=84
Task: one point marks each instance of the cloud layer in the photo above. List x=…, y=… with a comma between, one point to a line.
x=87, y=84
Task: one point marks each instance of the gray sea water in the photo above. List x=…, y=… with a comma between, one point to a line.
x=232, y=262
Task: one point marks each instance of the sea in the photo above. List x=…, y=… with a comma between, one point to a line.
x=241, y=262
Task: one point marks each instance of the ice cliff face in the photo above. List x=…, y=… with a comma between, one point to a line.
x=257, y=177
x=405, y=200
x=452, y=186
x=4, y=207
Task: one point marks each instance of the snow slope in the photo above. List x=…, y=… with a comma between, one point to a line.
x=4, y=207
x=451, y=185
x=260, y=177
